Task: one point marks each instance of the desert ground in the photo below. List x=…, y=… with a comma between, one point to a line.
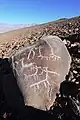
x=69, y=31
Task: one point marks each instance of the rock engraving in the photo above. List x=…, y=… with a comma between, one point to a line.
x=40, y=69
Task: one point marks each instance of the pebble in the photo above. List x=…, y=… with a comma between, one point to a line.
x=65, y=42
x=73, y=45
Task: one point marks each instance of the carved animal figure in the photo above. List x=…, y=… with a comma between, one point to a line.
x=39, y=70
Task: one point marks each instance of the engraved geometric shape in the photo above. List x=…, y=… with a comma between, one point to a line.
x=39, y=70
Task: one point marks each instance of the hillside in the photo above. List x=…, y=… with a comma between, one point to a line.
x=69, y=31
x=12, y=41
x=5, y=27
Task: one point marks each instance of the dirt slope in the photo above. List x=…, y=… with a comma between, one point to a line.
x=12, y=41
x=69, y=31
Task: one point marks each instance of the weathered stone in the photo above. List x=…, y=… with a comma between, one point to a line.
x=39, y=70
x=65, y=42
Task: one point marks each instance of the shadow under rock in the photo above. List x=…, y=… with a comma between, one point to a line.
x=65, y=107
x=12, y=102
x=11, y=99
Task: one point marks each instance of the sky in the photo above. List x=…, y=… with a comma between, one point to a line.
x=37, y=11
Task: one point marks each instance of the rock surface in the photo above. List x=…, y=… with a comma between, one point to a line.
x=39, y=69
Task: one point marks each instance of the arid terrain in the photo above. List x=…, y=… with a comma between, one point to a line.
x=14, y=40
x=5, y=27
x=69, y=31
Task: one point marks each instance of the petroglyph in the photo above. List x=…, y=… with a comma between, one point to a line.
x=26, y=65
x=51, y=56
x=40, y=69
x=45, y=80
x=30, y=54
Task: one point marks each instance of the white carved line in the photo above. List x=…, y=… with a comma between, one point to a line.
x=40, y=52
x=31, y=50
x=43, y=81
x=26, y=65
x=45, y=85
x=49, y=57
x=35, y=77
x=37, y=83
x=51, y=49
x=14, y=66
x=52, y=72
x=35, y=72
x=37, y=86
x=45, y=69
x=52, y=55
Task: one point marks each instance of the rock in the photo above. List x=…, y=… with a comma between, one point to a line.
x=39, y=70
x=65, y=42
x=0, y=53
x=73, y=45
x=76, y=29
x=70, y=31
x=74, y=71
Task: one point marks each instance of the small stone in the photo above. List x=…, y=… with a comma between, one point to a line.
x=77, y=82
x=68, y=43
x=79, y=51
x=70, y=30
x=5, y=115
x=73, y=45
x=70, y=23
x=73, y=80
x=74, y=71
x=65, y=42
x=76, y=29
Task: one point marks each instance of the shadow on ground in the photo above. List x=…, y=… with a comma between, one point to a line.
x=12, y=104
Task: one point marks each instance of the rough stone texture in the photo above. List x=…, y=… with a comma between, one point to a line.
x=39, y=69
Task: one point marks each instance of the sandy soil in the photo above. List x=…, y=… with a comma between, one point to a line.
x=12, y=41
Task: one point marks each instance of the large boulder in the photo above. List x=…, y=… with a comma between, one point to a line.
x=39, y=70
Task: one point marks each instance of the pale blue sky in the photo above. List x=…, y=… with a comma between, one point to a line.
x=37, y=11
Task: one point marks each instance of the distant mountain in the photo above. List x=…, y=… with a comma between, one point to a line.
x=4, y=27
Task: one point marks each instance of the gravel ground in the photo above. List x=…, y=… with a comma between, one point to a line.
x=69, y=31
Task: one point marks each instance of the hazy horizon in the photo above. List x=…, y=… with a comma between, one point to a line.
x=6, y=23
x=5, y=27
